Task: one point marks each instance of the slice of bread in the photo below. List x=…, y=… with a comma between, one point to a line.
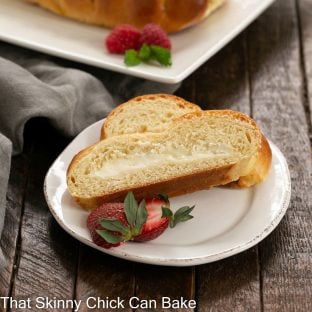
x=199, y=150
x=146, y=113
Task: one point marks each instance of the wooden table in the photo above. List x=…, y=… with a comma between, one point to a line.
x=265, y=72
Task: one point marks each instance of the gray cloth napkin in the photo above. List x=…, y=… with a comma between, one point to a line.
x=37, y=85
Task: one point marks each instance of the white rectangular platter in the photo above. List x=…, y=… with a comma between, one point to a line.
x=32, y=27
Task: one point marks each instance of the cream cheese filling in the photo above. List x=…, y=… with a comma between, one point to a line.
x=127, y=165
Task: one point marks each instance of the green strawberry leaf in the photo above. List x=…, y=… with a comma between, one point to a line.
x=131, y=207
x=141, y=217
x=166, y=212
x=162, y=55
x=113, y=225
x=109, y=237
x=182, y=219
x=185, y=210
x=131, y=58
x=181, y=215
x=144, y=53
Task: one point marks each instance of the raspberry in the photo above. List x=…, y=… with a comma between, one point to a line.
x=122, y=38
x=154, y=34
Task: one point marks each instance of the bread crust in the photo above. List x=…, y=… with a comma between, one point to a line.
x=242, y=174
x=171, y=15
x=173, y=187
x=178, y=101
x=261, y=167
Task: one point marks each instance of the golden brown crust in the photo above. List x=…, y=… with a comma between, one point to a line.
x=181, y=102
x=171, y=15
x=261, y=168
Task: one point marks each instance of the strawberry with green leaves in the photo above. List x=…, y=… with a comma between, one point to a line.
x=114, y=223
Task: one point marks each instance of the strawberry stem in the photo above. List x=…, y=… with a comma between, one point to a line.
x=181, y=215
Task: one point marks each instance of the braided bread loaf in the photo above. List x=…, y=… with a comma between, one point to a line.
x=171, y=15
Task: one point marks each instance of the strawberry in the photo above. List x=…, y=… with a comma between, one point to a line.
x=105, y=211
x=122, y=38
x=155, y=224
x=153, y=34
x=114, y=223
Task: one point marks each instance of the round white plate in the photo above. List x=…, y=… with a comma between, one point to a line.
x=226, y=221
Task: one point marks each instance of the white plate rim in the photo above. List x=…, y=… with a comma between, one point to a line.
x=183, y=261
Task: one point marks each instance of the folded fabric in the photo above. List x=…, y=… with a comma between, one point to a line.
x=36, y=85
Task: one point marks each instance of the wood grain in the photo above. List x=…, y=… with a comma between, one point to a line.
x=305, y=26
x=233, y=282
x=155, y=283
x=222, y=82
x=103, y=276
x=277, y=93
x=16, y=189
x=47, y=256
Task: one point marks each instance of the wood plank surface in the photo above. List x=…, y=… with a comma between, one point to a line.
x=9, y=239
x=103, y=276
x=156, y=283
x=277, y=101
x=233, y=282
x=222, y=82
x=305, y=31
x=47, y=255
